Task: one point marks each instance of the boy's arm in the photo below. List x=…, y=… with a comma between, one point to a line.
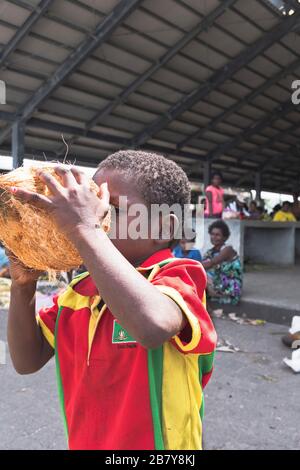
x=148, y=315
x=29, y=349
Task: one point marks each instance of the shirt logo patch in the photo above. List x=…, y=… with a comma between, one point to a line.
x=120, y=335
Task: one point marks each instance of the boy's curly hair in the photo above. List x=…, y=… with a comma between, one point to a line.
x=160, y=180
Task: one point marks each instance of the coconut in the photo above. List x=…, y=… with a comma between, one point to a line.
x=30, y=233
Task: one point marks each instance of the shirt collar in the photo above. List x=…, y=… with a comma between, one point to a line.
x=157, y=257
x=87, y=287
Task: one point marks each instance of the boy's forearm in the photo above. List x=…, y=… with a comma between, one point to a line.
x=148, y=315
x=25, y=340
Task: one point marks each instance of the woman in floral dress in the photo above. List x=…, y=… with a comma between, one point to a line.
x=223, y=267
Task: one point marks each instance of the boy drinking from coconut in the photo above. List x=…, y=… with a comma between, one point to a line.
x=132, y=339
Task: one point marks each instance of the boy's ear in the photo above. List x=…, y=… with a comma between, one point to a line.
x=168, y=227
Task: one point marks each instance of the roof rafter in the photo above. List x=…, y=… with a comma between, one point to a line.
x=280, y=111
x=269, y=162
x=237, y=106
x=218, y=78
x=21, y=32
x=203, y=25
x=91, y=42
x=80, y=132
x=270, y=141
x=276, y=114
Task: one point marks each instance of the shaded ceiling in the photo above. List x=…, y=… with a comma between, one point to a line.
x=198, y=80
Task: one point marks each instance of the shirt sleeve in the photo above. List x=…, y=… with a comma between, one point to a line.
x=46, y=319
x=184, y=281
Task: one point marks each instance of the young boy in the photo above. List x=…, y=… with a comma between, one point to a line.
x=132, y=339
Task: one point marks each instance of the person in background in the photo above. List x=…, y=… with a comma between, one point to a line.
x=134, y=380
x=285, y=213
x=223, y=267
x=214, y=203
x=186, y=249
x=237, y=209
x=263, y=214
x=254, y=213
x=296, y=205
x=275, y=209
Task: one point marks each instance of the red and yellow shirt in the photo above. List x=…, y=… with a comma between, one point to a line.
x=114, y=393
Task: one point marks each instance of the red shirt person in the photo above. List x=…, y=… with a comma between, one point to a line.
x=132, y=339
x=116, y=394
x=214, y=204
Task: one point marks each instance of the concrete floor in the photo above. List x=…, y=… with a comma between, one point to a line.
x=252, y=401
x=269, y=293
x=273, y=285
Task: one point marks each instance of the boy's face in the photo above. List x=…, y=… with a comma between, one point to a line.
x=134, y=250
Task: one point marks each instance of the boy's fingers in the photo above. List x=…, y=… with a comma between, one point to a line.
x=66, y=175
x=79, y=175
x=103, y=194
x=51, y=183
x=37, y=200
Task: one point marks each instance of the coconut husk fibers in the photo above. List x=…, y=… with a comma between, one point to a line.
x=30, y=232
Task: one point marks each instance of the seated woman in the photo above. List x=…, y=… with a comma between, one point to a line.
x=223, y=267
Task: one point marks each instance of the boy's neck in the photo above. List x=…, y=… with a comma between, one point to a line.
x=138, y=262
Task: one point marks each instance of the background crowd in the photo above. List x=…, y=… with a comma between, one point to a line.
x=237, y=207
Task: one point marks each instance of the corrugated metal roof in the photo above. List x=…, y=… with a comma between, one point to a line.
x=198, y=80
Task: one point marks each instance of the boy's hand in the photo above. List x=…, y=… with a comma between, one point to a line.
x=72, y=204
x=19, y=273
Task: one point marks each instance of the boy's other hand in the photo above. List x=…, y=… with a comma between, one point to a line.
x=72, y=203
x=19, y=273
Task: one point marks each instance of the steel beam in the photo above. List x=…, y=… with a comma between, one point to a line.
x=280, y=111
x=101, y=34
x=21, y=32
x=6, y=116
x=268, y=144
x=267, y=164
x=218, y=78
x=206, y=174
x=17, y=150
x=202, y=26
x=122, y=97
x=125, y=142
x=120, y=141
x=237, y=106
